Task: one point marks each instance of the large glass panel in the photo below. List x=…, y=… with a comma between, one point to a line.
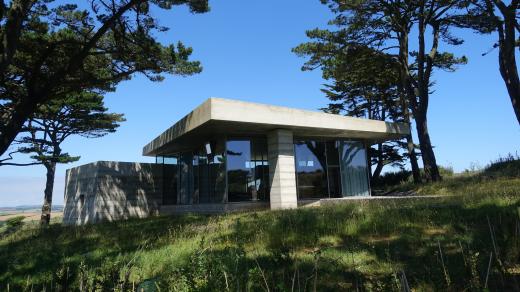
x=209, y=174
x=311, y=169
x=260, y=170
x=185, y=187
x=354, y=172
x=247, y=170
x=198, y=177
x=333, y=170
x=217, y=172
x=170, y=180
x=240, y=175
x=159, y=159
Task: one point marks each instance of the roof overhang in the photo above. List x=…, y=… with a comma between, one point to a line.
x=218, y=117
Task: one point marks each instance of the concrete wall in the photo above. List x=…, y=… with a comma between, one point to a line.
x=108, y=190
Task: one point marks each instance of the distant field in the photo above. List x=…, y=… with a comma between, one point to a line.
x=30, y=215
x=30, y=212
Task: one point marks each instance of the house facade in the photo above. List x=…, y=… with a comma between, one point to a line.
x=229, y=155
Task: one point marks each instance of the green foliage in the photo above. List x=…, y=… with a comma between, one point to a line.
x=508, y=166
x=54, y=49
x=391, y=178
x=80, y=114
x=14, y=222
x=366, y=53
x=366, y=245
x=11, y=225
x=364, y=83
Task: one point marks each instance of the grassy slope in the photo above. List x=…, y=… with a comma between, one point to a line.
x=436, y=244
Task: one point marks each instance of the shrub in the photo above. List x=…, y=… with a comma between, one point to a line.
x=391, y=178
x=12, y=225
x=508, y=166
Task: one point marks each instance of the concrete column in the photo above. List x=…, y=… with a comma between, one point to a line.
x=282, y=177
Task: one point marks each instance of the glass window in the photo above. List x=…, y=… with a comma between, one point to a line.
x=209, y=174
x=170, y=179
x=170, y=160
x=239, y=170
x=217, y=172
x=354, y=172
x=333, y=169
x=185, y=186
x=311, y=169
x=196, y=177
x=159, y=159
x=260, y=168
x=247, y=170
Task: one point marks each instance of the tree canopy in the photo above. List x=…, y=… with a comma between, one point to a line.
x=51, y=50
x=385, y=27
x=82, y=114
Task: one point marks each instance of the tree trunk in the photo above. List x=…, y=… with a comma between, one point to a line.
x=20, y=114
x=430, y=164
x=420, y=105
x=47, y=200
x=416, y=172
x=405, y=91
x=507, y=61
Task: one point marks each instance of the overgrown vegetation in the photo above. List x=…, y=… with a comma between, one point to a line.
x=469, y=241
x=503, y=167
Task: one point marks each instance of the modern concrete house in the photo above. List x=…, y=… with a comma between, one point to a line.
x=229, y=155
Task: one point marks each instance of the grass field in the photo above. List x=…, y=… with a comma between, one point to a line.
x=469, y=241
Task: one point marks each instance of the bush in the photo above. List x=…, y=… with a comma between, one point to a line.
x=12, y=225
x=391, y=178
x=445, y=171
x=508, y=166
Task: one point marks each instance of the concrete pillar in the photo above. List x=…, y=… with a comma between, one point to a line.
x=282, y=177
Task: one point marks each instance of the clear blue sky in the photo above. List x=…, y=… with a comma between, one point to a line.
x=245, y=48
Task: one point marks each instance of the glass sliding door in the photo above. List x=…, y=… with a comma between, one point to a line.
x=186, y=185
x=247, y=170
x=206, y=181
x=170, y=179
x=354, y=171
x=260, y=169
x=239, y=173
x=311, y=169
x=333, y=169
x=217, y=171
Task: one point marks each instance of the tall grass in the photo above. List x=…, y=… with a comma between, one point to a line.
x=468, y=241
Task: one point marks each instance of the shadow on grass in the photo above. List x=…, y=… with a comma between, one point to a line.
x=439, y=247
x=37, y=253
x=435, y=244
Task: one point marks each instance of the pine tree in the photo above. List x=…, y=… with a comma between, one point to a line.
x=53, y=49
x=80, y=114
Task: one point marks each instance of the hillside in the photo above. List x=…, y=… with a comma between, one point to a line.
x=465, y=241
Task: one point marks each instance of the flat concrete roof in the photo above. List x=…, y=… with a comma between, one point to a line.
x=219, y=117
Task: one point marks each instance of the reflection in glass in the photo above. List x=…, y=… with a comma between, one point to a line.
x=209, y=174
x=247, y=170
x=354, y=171
x=185, y=186
x=333, y=169
x=170, y=179
x=239, y=170
x=260, y=169
x=159, y=159
x=311, y=169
